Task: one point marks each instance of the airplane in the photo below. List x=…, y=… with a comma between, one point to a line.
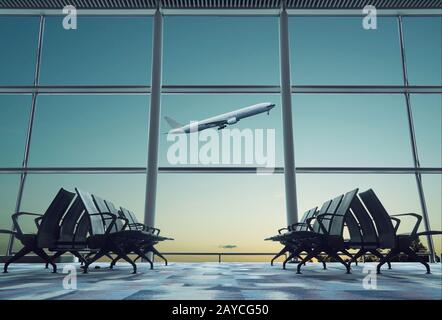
x=221, y=121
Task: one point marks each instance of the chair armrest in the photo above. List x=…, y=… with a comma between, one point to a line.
x=8, y=232
x=282, y=229
x=414, y=215
x=397, y=221
x=15, y=217
x=111, y=215
x=292, y=227
x=322, y=216
x=38, y=221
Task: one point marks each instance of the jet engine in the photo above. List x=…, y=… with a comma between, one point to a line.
x=232, y=120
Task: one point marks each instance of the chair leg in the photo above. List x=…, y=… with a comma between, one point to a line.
x=23, y=251
x=336, y=256
x=78, y=256
x=310, y=255
x=280, y=253
x=358, y=254
x=114, y=262
x=40, y=252
x=380, y=256
x=142, y=254
x=322, y=260
x=55, y=256
x=290, y=257
x=385, y=259
x=124, y=256
x=156, y=252
x=412, y=254
x=97, y=256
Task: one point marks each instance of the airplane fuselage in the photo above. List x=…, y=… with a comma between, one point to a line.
x=222, y=120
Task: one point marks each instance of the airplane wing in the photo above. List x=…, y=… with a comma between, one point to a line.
x=217, y=123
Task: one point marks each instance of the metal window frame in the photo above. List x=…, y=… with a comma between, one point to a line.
x=404, y=89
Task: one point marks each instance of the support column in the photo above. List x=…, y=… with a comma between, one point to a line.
x=154, y=120
x=414, y=145
x=30, y=127
x=287, y=126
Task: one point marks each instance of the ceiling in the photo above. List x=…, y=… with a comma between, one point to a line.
x=220, y=4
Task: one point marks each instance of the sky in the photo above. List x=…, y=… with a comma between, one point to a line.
x=210, y=212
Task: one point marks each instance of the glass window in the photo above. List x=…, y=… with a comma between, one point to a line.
x=354, y=130
x=18, y=48
x=14, y=117
x=220, y=213
x=221, y=50
x=339, y=51
x=90, y=130
x=101, y=51
x=432, y=184
x=423, y=49
x=257, y=131
x=9, y=184
x=427, y=119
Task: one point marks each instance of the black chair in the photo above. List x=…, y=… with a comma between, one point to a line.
x=100, y=236
x=329, y=239
x=134, y=239
x=283, y=238
x=150, y=238
x=367, y=241
x=48, y=227
x=387, y=232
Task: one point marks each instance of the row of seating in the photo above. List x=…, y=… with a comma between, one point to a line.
x=370, y=227
x=88, y=227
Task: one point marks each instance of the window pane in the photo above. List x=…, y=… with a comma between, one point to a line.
x=187, y=108
x=18, y=47
x=220, y=213
x=339, y=51
x=14, y=117
x=423, y=49
x=433, y=191
x=90, y=130
x=427, y=116
x=9, y=184
x=101, y=51
x=351, y=130
x=221, y=50
x=126, y=190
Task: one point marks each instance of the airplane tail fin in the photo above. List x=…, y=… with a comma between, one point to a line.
x=172, y=123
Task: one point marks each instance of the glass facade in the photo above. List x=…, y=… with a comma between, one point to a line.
x=94, y=112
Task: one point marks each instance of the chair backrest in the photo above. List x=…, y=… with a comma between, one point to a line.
x=70, y=220
x=49, y=229
x=101, y=205
x=338, y=220
x=129, y=215
x=93, y=214
x=307, y=215
x=353, y=228
x=381, y=218
x=364, y=220
x=112, y=209
x=316, y=227
x=334, y=205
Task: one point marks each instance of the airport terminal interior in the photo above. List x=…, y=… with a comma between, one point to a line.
x=344, y=98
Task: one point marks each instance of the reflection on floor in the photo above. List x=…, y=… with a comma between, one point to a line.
x=225, y=281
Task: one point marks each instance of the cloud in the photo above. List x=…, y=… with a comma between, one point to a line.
x=228, y=246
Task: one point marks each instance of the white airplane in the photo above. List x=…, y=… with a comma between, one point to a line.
x=222, y=120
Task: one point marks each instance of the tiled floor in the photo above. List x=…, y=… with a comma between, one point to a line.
x=224, y=281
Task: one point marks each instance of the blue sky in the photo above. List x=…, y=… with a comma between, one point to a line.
x=329, y=129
